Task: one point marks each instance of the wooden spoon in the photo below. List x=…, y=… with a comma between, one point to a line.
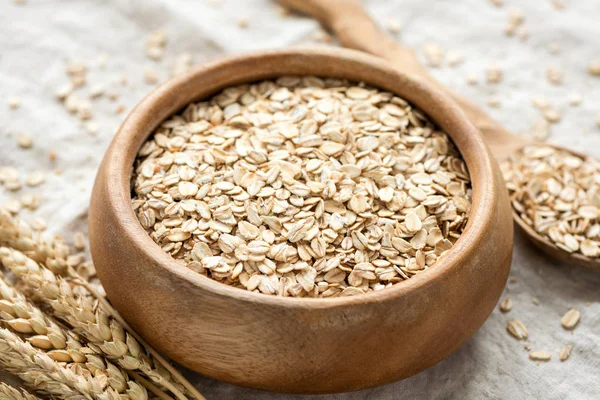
x=354, y=28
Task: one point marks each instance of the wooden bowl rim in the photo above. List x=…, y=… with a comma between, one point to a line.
x=478, y=159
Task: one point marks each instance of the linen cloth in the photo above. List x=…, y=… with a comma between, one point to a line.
x=38, y=38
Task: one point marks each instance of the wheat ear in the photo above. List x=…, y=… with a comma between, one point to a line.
x=10, y=393
x=23, y=317
x=61, y=345
x=83, y=313
x=43, y=374
x=53, y=253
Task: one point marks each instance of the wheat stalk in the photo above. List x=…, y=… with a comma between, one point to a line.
x=59, y=344
x=82, y=311
x=10, y=393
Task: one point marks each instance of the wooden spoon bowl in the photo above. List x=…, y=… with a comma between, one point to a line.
x=295, y=344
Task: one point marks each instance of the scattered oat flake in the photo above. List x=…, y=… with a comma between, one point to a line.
x=78, y=80
x=14, y=102
x=540, y=130
x=554, y=48
x=154, y=53
x=541, y=103
x=553, y=116
x=565, y=352
x=515, y=19
x=517, y=329
x=84, y=110
x=155, y=44
x=96, y=91
x=454, y=58
x=150, y=76
x=24, y=141
x=92, y=127
x=506, y=305
x=594, y=68
x=434, y=54
x=242, y=23
x=13, y=206
x=574, y=99
x=493, y=73
x=494, y=101
x=31, y=201
x=472, y=79
x=64, y=91
x=497, y=3
x=540, y=355
x=559, y=4
x=76, y=68
x=394, y=25
x=523, y=33
x=570, y=319
x=52, y=155
x=35, y=179
x=554, y=76
x=182, y=64
x=72, y=103
x=535, y=301
x=119, y=109
x=516, y=16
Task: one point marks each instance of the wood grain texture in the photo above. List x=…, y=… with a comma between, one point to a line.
x=293, y=344
x=354, y=28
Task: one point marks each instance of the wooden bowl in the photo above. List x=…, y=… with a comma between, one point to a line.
x=294, y=344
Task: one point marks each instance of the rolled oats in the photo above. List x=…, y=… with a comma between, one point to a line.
x=540, y=355
x=565, y=352
x=570, y=319
x=302, y=187
x=517, y=328
x=558, y=194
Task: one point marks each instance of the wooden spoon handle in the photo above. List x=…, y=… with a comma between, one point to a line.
x=354, y=28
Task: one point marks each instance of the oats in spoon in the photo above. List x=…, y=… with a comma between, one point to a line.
x=557, y=193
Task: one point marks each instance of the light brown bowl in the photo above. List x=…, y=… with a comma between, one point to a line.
x=293, y=344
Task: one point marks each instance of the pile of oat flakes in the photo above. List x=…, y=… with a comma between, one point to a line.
x=302, y=187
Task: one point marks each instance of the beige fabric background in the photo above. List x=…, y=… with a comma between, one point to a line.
x=36, y=40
